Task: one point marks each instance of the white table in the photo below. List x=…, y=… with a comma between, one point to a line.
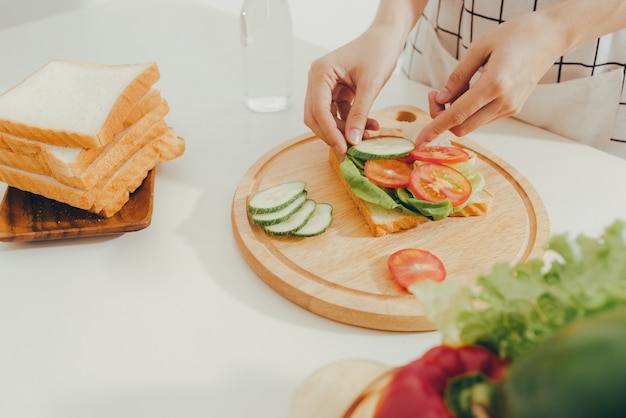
x=170, y=321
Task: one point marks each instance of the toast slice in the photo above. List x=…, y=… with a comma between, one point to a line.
x=43, y=107
x=383, y=221
x=114, y=187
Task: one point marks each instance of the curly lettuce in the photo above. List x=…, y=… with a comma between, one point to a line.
x=513, y=308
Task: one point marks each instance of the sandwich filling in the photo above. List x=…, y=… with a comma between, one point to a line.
x=435, y=187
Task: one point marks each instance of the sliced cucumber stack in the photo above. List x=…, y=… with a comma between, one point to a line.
x=318, y=222
x=284, y=209
x=280, y=215
x=381, y=148
x=294, y=222
x=276, y=197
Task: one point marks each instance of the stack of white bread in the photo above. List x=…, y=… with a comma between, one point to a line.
x=85, y=134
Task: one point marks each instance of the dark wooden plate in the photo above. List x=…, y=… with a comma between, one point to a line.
x=29, y=217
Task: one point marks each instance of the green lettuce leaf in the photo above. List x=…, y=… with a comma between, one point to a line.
x=477, y=181
x=514, y=308
x=352, y=171
x=363, y=188
x=436, y=211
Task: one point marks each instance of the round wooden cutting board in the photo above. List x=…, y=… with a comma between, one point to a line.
x=342, y=274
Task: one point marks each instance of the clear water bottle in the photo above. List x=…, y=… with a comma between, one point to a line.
x=266, y=39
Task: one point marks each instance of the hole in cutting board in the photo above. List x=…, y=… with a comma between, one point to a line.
x=405, y=116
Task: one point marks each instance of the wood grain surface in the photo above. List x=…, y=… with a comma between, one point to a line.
x=29, y=217
x=342, y=274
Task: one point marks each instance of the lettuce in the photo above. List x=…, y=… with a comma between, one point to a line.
x=363, y=188
x=352, y=171
x=437, y=211
x=514, y=308
x=477, y=181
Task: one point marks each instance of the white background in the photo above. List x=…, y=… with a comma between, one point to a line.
x=326, y=23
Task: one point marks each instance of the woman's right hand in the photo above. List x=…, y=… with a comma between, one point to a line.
x=343, y=85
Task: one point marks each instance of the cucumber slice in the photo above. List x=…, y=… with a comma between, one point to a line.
x=273, y=218
x=294, y=222
x=381, y=148
x=317, y=223
x=276, y=197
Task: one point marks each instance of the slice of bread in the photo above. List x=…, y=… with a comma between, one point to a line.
x=383, y=221
x=146, y=104
x=113, y=189
x=114, y=194
x=80, y=167
x=85, y=134
x=45, y=105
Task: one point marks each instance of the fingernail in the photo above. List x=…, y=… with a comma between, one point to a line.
x=355, y=136
x=442, y=95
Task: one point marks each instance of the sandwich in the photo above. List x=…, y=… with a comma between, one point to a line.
x=85, y=134
x=397, y=185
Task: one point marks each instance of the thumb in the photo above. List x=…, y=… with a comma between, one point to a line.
x=358, y=117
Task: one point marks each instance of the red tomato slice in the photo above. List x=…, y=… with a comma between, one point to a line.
x=438, y=182
x=388, y=173
x=410, y=265
x=440, y=154
x=406, y=159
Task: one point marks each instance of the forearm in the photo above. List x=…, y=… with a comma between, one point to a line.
x=581, y=21
x=397, y=18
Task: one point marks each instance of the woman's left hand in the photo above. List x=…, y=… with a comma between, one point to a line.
x=507, y=63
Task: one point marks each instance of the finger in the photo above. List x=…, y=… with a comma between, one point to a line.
x=343, y=103
x=358, y=116
x=333, y=136
x=318, y=115
x=434, y=107
x=372, y=124
x=458, y=81
x=343, y=97
x=487, y=114
x=341, y=108
x=496, y=109
x=457, y=114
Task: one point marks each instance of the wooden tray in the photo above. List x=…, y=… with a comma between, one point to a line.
x=29, y=217
x=342, y=274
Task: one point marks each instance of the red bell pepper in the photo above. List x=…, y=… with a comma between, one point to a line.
x=420, y=388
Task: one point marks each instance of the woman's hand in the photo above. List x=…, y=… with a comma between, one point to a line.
x=343, y=85
x=495, y=76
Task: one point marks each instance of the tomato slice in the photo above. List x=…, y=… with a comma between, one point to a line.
x=406, y=159
x=438, y=182
x=388, y=173
x=410, y=265
x=440, y=154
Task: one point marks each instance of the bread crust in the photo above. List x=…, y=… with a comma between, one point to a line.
x=97, y=171
x=383, y=221
x=114, y=122
x=113, y=189
x=83, y=172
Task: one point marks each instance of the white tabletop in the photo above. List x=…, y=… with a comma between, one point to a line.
x=170, y=321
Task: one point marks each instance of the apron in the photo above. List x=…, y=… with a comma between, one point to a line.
x=583, y=109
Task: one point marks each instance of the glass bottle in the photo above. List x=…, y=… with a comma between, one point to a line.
x=266, y=44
